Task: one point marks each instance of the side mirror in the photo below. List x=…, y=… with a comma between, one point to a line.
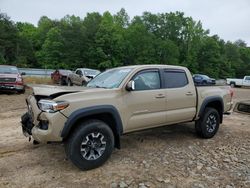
x=23, y=73
x=130, y=85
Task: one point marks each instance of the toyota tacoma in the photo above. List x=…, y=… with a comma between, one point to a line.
x=90, y=120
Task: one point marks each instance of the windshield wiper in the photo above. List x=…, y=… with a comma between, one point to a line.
x=97, y=86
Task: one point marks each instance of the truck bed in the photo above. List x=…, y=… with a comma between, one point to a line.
x=211, y=91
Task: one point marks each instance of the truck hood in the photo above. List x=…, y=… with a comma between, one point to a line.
x=56, y=91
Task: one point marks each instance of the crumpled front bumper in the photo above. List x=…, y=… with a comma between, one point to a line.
x=27, y=125
x=42, y=126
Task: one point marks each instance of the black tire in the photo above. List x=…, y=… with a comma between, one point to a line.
x=204, y=82
x=232, y=84
x=79, y=149
x=61, y=82
x=70, y=83
x=21, y=91
x=208, y=125
x=84, y=83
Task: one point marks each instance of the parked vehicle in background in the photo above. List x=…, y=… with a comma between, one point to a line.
x=90, y=120
x=90, y=73
x=201, y=79
x=11, y=79
x=60, y=76
x=81, y=76
x=239, y=82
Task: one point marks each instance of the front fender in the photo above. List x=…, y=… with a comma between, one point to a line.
x=94, y=110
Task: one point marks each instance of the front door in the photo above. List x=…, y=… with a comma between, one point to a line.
x=147, y=103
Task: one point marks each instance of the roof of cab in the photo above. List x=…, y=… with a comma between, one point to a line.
x=151, y=66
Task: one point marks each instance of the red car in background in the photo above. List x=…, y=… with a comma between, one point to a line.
x=11, y=79
x=60, y=76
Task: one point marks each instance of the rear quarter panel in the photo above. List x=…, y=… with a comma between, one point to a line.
x=214, y=91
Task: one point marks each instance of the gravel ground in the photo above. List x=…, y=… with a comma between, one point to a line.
x=171, y=156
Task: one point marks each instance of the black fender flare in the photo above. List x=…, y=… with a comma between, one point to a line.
x=94, y=110
x=209, y=100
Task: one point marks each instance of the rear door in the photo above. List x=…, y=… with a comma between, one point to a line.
x=180, y=96
x=147, y=103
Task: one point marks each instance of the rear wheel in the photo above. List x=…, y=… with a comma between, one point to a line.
x=232, y=84
x=204, y=82
x=90, y=145
x=208, y=125
x=70, y=83
x=61, y=82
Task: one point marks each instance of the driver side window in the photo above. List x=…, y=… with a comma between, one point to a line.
x=147, y=80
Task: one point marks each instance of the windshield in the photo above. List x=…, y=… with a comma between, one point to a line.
x=110, y=79
x=91, y=72
x=65, y=71
x=8, y=70
x=205, y=76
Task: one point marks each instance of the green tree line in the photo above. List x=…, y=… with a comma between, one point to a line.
x=105, y=41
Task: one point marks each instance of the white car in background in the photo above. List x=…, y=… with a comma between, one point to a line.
x=239, y=82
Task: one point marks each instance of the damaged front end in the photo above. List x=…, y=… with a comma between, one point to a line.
x=39, y=122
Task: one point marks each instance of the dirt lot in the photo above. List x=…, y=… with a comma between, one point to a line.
x=171, y=156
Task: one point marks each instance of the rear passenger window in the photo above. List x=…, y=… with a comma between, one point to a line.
x=175, y=79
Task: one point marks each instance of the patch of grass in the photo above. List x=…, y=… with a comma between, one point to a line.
x=37, y=80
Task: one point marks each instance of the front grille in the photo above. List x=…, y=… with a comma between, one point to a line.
x=7, y=80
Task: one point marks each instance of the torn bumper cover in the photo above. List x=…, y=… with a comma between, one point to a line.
x=27, y=125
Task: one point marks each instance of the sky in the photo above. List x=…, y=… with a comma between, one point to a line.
x=229, y=19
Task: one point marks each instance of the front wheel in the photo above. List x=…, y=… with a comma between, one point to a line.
x=90, y=145
x=204, y=82
x=208, y=124
x=21, y=91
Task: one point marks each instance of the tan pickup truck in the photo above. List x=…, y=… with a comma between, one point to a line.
x=81, y=76
x=90, y=120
